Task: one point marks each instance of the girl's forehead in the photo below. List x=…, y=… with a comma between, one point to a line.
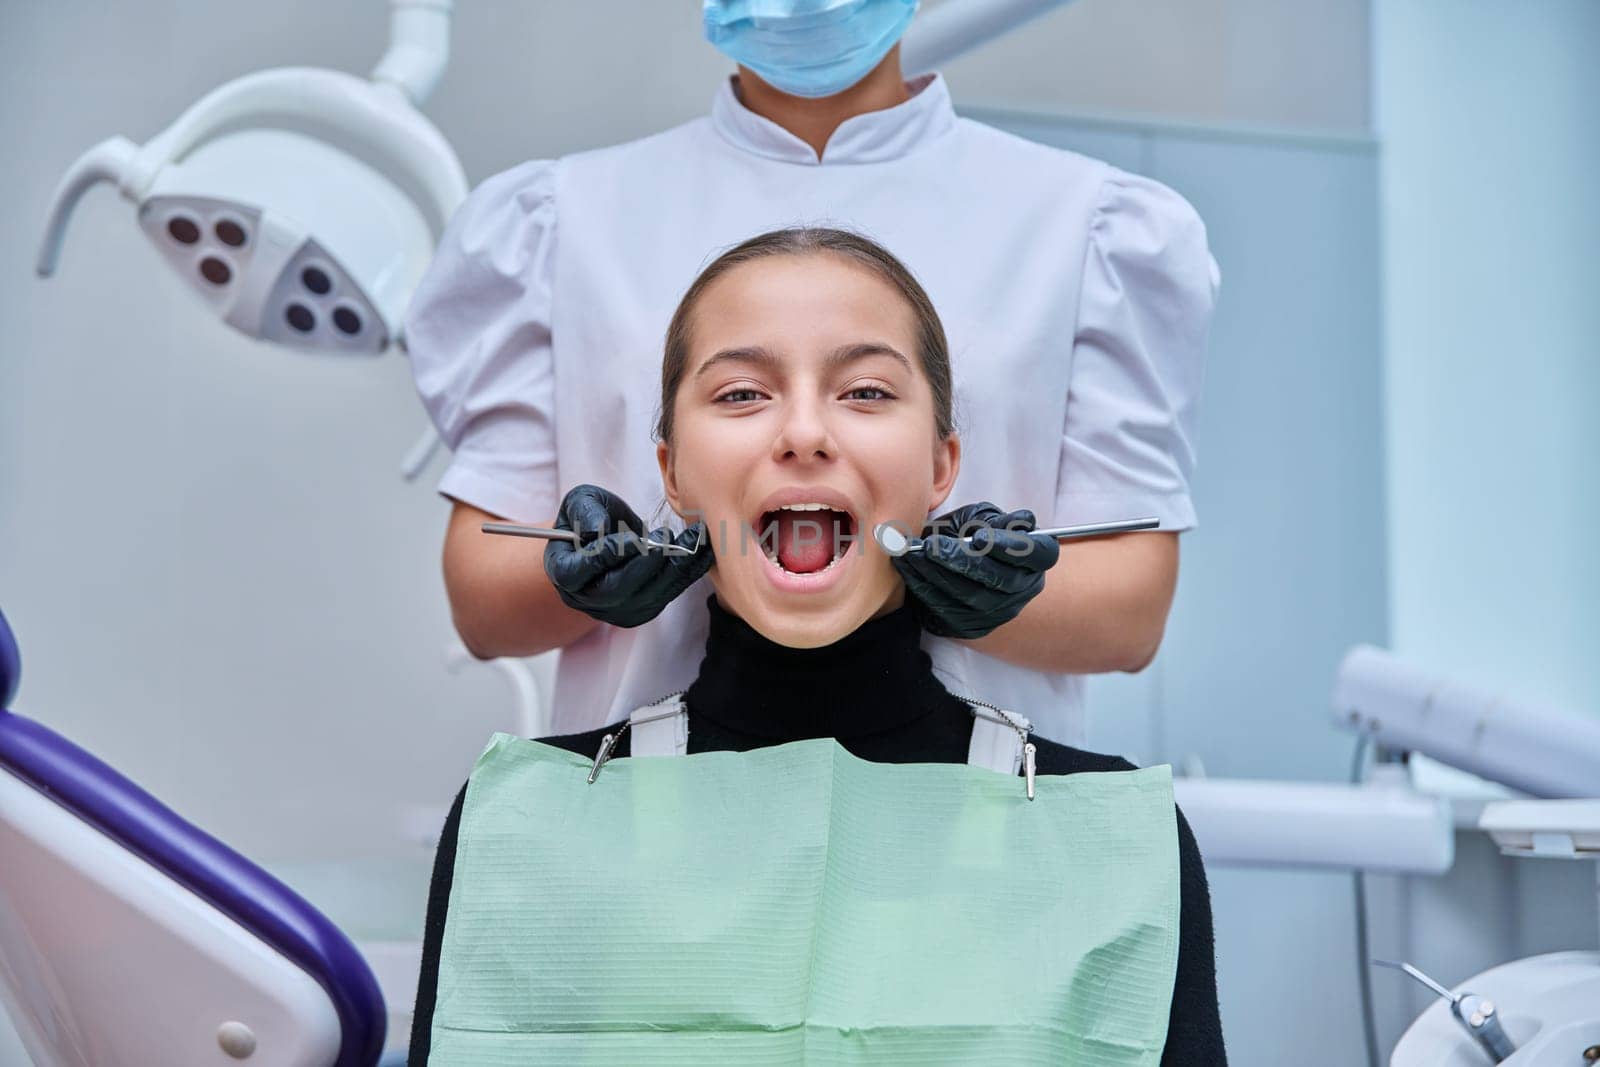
x=820, y=262
x=803, y=298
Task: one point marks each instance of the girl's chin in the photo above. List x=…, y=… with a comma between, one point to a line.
x=800, y=621
x=785, y=632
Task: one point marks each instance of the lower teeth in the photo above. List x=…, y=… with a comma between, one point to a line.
x=776, y=562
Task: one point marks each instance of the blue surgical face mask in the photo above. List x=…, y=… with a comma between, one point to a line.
x=807, y=47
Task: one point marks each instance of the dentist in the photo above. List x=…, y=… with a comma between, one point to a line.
x=1077, y=298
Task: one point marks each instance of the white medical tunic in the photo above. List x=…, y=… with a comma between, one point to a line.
x=1076, y=298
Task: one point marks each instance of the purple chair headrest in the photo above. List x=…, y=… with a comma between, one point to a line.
x=10, y=665
x=97, y=794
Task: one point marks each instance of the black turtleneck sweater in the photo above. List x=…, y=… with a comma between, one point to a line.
x=875, y=691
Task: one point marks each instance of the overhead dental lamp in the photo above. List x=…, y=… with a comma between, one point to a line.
x=301, y=205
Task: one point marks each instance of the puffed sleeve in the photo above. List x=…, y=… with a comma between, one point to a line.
x=478, y=336
x=1149, y=286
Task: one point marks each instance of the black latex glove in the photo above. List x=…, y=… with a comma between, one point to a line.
x=967, y=590
x=612, y=576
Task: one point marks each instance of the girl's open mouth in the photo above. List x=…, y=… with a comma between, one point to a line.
x=806, y=538
x=805, y=542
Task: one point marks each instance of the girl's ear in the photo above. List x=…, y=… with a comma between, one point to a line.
x=669, y=480
x=946, y=465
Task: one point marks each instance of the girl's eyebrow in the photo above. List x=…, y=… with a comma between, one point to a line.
x=756, y=355
x=764, y=358
x=861, y=350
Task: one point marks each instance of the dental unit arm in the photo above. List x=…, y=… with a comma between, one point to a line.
x=956, y=27
x=1542, y=751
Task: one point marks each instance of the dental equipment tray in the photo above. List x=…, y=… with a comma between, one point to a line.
x=1559, y=829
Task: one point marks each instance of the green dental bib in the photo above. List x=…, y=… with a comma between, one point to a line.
x=797, y=905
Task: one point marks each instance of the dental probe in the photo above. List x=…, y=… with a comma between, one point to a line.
x=518, y=530
x=896, y=543
x=1475, y=1013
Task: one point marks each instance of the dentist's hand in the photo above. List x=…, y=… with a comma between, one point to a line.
x=966, y=590
x=612, y=576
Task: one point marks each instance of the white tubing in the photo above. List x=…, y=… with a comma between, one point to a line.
x=1317, y=825
x=958, y=26
x=1539, y=750
x=419, y=47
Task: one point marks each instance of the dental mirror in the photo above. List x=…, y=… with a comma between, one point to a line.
x=895, y=541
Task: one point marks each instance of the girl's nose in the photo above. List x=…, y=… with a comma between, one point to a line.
x=804, y=434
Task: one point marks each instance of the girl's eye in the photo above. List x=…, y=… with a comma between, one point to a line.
x=880, y=393
x=738, y=396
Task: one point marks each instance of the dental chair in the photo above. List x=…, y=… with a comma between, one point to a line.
x=128, y=937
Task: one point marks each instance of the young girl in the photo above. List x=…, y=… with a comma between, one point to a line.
x=806, y=398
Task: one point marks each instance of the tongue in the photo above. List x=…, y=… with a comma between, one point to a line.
x=805, y=540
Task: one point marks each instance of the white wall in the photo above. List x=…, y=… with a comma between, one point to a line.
x=1490, y=118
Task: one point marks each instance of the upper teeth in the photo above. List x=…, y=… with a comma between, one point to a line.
x=805, y=507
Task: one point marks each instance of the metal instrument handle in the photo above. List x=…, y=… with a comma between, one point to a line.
x=515, y=529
